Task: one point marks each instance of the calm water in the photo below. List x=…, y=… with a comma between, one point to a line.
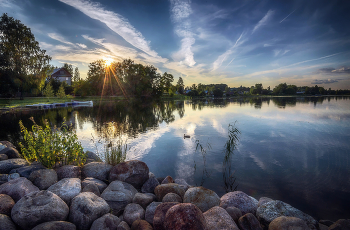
x=292, y=149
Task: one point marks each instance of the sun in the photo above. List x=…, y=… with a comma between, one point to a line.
x=108, y=61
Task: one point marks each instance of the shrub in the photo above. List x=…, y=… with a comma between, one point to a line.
x=51, y=147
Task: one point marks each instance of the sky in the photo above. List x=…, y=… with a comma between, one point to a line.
x=236, y=42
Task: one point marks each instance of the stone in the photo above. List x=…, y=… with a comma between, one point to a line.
x=168, y=180
x=39, y=207
x=6, y=223
x=150, y=185
x=123, y=226
x=11, y=153
x=6, y=204
x=133, y=172
x=159, y=215
x=68, y=171
x=86, y=208
x=133, y=212
x=249, y=222
x=322, y=227
x=203, y=198
x=143, y=199
x=7, y=144
x=3, y=157
x=182, y=183
x=288, y=223
x=340, y=224
x=99, y=183
x=326, y=222
x=185, y=216
x=234, y=212
x=151, y=174
x=160, y=179
x=150, y=210
x=43, y=178
x=13, y=176
x=55, y=225
x=118, y=195
x=218, y=218
x=264, y=200
x=3, y=177
x=172, y=197
x=18, y=188
x=141, y=225
x=273, y=209
x=92, y=188
x=106, y=222
x=97, y=170
x=239, y=200
x=67, y=189
x=27, y=170
x=93, y=156
x=7, y=165
x=163, y=189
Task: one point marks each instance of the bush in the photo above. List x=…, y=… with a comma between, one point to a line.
x=51, y=147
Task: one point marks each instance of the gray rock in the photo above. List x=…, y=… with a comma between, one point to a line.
x=7, y=144
x=123, y=226
x=27, y=170
x=143, y=199
x=322, y=227
x=118, y=194
x=68, y=171
x=203, y=198
x=163, y=189
x=99, y=183
x=18, y=188
x=106, y=222
x=264, y=200
x=6, y=204
x=168, y=180
x=6, y=223
x=39, y=207
x=97, y=170
x=267, y=212
x=150, y=185
x=2, y=147
x=11, y=153
x=133, y=212
x=151, y=174
x=141, y=225
x=340, y=225
x=13, y=176
x=43, y=178
x=288, y=223
x=172, y=197
x=3, y=157
x=7, y=165
x=249, y=222
x=86, y=208
x=218, y=218
x=239, y=200
x=92, y=188
x=55, y=225
x=133, y=172
x=93, y=156
x=182, y=183
x=3, y=177
x=234, y=212
x=326, y=222
x=159, y=215
x=66, y=189
x=150, y=210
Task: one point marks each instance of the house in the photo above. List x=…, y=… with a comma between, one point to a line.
x=62, y=75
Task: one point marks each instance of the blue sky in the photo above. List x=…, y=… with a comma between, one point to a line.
x=238, y=42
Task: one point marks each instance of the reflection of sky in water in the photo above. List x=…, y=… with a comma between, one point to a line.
x=298, y=154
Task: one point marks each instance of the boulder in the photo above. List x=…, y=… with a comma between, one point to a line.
x=249, y=222
x=264, y=200
x=97, y=170
x=39, y=207
x=106, y=222
x=133, y=172
x=234, y=212
x=68, y=171
x=182, y=183
x=93, y=156
x=99, y=183
x=3, y=177
x=203, y=198
x=11, y=153
x=141, y=225
x=168, y=180
x=43, y=178
x=163, y=189
x=18, y=188
x=7, y=144
x=7, y=165
x=92, y=188
x=150, y=185
x=86, y=208
x=123, y=226
x=239, y=200
x=288, y=223
x=151, y=174
x=150, y=210
x=269, y=211
x=133, y=212
x=55, y=225
x=143, y=199
x=340, y=225
x=172, y=197
x=6, y=204
x=218, y=218
x=185, y=216
x=3, y=157
x=160, y=179
x=67, y=189
x=13, y=176
x=6, y=223
x=326, y=222
x=27, y=170
x=118, y=195
x=159, y=215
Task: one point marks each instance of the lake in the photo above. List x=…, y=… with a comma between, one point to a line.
x=294, y=149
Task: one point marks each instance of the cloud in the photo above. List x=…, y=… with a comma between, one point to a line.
x=82, y=45
x=264, y=20
x=59, y=38
x=331, y=70
x=328, y=81
x=287, y=16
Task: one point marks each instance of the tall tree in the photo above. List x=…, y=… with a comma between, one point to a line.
x=180, y=85
x=68, y=67
x=76, y=75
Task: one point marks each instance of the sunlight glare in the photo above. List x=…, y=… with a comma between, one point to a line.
x=108, y=61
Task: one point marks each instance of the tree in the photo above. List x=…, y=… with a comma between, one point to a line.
x=96, y=76
x=218, y=93
x=69, y=68
x=76, y=75
x=20, y=56
x=167, y=79
x=61, y=93
x=180, y=85
x=194, y=87
x=48, y=91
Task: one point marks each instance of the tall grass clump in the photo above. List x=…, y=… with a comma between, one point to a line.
x=115, y=154
x=51, y=147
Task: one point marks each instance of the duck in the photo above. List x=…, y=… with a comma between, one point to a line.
x=186, y=136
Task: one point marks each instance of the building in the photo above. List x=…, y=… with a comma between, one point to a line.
x=62, y=75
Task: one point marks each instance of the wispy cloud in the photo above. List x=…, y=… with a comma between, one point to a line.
x=264, y=20
x=328, y=81
x=59, y=38
x=316, y=59
x=287, y=16
x=81, y=45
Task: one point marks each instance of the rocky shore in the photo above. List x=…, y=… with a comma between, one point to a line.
x=99, y=196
